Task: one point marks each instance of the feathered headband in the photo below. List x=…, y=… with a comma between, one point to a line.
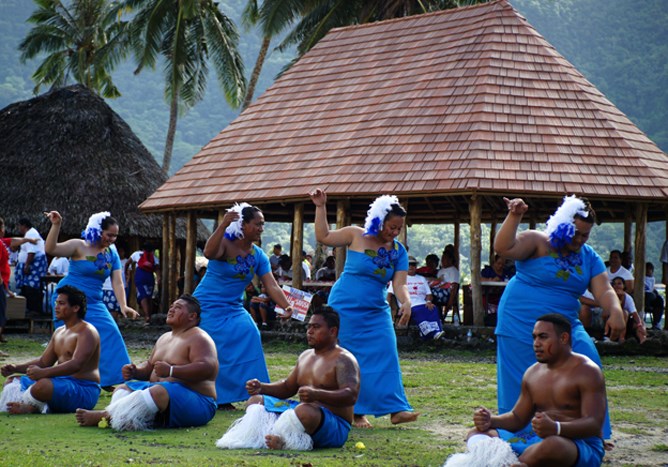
x=234, y=230
x=560, y=227
x=377, y=212
x=93, y=231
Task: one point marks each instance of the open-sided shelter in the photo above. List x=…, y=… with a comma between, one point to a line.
x=450, y=111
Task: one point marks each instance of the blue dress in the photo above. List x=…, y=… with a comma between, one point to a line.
x=224, y=318
x=359, y=296
x=88, y=275
x=549, y=284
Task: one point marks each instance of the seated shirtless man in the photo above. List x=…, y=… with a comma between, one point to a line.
x=563, y=396
x=66, y=376
x=326, y=380
x=177, y=387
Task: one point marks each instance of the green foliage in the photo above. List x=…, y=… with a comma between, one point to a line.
x=83, y=40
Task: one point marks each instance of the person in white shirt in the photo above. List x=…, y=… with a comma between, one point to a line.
x=615, y=269
x=653, y=301
x=449, y=274
x=423, y=312
x=31, y=267
x=59, y=266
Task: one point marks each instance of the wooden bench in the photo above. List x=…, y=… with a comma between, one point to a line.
x=17, y=319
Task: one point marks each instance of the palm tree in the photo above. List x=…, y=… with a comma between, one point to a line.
x=187, y=35
x=83, y=41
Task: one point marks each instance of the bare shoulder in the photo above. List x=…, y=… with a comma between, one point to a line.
x=90, y=329
x=201, y=337
x=586, y=365
x=346, y=356
x=308, y=353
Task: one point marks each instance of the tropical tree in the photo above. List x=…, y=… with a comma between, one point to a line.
x=83, y=40
x=187, y=35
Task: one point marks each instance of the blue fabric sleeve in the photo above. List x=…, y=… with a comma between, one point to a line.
x=263, y=265
x=115, y=259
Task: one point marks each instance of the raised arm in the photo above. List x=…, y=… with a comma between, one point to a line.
x=508, y=243
x=51, y=246
x=215, y=247
x=335, y=238
x=606, y=297
x=348, y=380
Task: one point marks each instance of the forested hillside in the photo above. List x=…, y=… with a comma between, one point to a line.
x=619, y=45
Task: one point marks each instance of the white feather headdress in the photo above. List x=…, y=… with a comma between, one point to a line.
x=93, y=231
x=234, y=230
x=560, y=227
x=377, y=212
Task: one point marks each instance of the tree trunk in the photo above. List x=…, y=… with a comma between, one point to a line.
x=255, y=76
x=171, y=131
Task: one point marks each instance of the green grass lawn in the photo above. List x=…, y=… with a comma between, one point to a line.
x=444, y=387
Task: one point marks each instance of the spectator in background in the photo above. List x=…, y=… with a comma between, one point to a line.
x=59, y=266
x=615, y=269
x=284, y=270
x=430, y=269
x=496, y=272
x=262, y=308
x=634, y=324
x=328, y=271
x=449, y=274
x=274, y=259
x=423, y=312
x=627, y=261
x=147, y=267
x=653, y=301
x=306, y=266
x=31, y=267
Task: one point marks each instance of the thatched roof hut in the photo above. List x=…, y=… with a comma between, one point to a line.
x=67, y=150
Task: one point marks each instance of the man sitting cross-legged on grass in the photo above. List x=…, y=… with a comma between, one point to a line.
x=66, y=376
x=177, y=387
x=563, y=396
x=327, y=380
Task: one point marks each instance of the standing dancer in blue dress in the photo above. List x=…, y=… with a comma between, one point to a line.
x=554, y=268
x=92, y=260
x=233, y=261
x=374, y=258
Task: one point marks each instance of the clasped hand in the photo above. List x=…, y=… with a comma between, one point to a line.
x=543, y=425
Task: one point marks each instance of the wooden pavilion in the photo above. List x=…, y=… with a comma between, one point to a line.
x=450, y=111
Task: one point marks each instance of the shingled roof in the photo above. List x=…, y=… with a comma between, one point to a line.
x=434, y=107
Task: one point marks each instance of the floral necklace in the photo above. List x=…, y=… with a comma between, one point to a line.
x=102, y=260
x=568, y=264
x=243, y=265
x=384, y=258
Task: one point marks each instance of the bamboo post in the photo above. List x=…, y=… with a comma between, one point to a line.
x=475, y=210
x=171, y=284
x=628, y=224
x=297, y=246
x=492, y=234
x=164, y=262
x=457, y=242
x=191, y=249
x=341, y=214
x=639, y=259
